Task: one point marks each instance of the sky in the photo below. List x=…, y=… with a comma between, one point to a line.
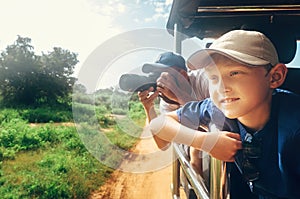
x=77, y=25
x=70, y=24
x=81, y=26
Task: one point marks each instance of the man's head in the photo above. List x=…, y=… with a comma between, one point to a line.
x=242, y=69
x=173, y=75
x=164, y=61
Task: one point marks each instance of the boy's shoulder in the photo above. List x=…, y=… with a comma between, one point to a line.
x=196, y=112
x=287, y=99
x=284, y=92
x=288, y=105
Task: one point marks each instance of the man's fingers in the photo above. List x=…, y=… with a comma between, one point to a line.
x=145, y=96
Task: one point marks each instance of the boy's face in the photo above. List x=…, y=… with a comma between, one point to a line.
x=239, y=91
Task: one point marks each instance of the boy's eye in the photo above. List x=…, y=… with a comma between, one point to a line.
x=234, y=73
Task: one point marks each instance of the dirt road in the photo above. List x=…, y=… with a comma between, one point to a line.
x=149, y=185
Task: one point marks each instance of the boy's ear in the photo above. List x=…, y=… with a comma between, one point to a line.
x=278, y=75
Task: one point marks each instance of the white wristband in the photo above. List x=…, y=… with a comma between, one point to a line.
x=210, y=139
x=176, y=131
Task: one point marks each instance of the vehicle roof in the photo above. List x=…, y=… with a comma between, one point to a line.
x=278, y=19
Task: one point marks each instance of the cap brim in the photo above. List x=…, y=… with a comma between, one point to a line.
x=153, y=67
x=202, y=58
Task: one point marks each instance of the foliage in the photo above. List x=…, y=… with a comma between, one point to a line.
x=119, y=134
x=136, y=111
x=84, y=113
x=30, y=79
x=37, y=115
x=50, y=161
x=104, y=117
x=16, y=135
x=102, y=105
x=57, y=173
x=55, y=161
x=46, y=114
x=7, y=115
x=45, y=161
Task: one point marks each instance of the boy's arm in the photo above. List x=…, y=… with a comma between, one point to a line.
x=167, y=128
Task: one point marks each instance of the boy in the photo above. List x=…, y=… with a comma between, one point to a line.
x=243, y=73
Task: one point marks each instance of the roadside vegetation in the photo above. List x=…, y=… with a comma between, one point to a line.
x=42, y=155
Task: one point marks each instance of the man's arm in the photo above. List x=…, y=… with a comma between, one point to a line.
x=147, y=98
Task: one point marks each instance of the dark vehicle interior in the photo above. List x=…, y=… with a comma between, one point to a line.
x=277, y=19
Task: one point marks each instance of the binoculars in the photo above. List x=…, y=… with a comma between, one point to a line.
x=134, y=82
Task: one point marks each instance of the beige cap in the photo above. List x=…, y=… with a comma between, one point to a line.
x=251, y=48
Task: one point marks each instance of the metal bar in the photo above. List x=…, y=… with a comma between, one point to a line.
x=230, y=11
x=218, y=180
x=279, y=8
x=175, y=176
x=196, y=183
x=176, y=166
x=177, y=39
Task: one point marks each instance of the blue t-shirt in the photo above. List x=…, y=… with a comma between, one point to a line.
x=279, y=163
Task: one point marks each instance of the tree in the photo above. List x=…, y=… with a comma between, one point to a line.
x=56, y=71
x=29, y=79
x=18, y=68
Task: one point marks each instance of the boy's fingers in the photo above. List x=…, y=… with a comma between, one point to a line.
x=237, y=137
x=234, y=135
x=230, y=160
x=239, y=144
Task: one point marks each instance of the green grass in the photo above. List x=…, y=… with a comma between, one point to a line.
x=63, y=170
x=52, y=174
x=51, y=161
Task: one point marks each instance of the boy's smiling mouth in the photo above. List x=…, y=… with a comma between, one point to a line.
x=228, y=100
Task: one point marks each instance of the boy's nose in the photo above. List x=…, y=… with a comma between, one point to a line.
x=224, y=87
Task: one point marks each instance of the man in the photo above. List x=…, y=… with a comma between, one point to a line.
x=176, y=87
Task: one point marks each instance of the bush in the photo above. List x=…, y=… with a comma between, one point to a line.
x=136, y=111
x=61, y=169
x=7, y=115
x=49, y=161
x=84, y=113
x=46, y=114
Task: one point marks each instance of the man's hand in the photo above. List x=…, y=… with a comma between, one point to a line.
x=147, y=98
x=175, y=86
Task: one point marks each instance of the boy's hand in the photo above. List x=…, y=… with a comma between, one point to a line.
x=222, y=145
